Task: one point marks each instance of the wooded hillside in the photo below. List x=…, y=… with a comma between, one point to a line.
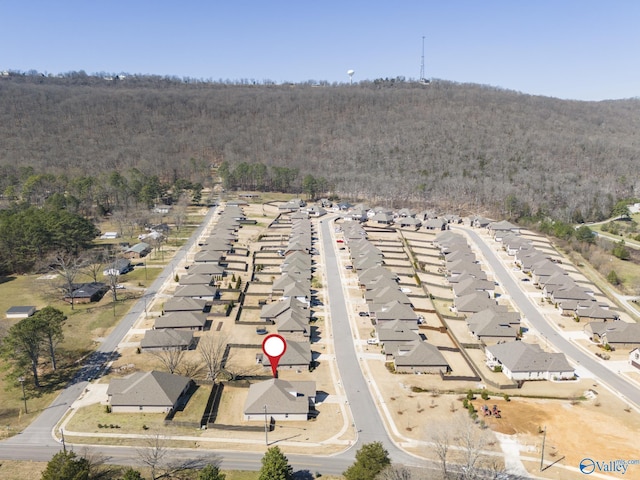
x=464, y=148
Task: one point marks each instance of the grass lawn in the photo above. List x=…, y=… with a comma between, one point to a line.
x=95, y=419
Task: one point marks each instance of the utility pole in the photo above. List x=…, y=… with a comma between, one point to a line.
x=544, y=437
x=266, y=428
x=21, y=379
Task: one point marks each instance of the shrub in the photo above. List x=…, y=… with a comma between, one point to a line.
x=484, y=395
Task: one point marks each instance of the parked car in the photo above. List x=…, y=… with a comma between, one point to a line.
x=363, y=314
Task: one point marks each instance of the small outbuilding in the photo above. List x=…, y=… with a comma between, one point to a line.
x=20, y=311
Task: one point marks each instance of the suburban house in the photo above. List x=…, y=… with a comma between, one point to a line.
x=167, y=339
x=439, y=224
x=271, y=311
x=393, y=334
x=139, y=250
x=596, y=313
x=419, y=357
x=278, y=399
x=202, y=292
x=617, y=334
x=473, y=302
x=493, y=325
x=297, y=356
x=20, y=311
x=181, y=321
x=119, y=267
x=293, y=324
x=212, y=269
x=524, y=361
x=196, y=279
x=185, y=304
x=150, y=392
x=86, y=292
x=394, y=310
x=501, y=229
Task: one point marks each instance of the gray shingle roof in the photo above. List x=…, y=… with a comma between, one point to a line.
x=154, y=389
x=279, y=396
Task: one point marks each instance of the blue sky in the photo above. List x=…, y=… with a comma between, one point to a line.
x=576, y=49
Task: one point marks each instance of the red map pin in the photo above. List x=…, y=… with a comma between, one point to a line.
x=274, y=346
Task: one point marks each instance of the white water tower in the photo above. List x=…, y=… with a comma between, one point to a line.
x=350, y=73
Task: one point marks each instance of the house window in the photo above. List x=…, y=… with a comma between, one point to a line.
x=286, y=415
x=140, y=407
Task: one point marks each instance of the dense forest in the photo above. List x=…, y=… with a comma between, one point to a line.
x=457, y=147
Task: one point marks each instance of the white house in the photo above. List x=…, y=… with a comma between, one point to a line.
x=525, y=361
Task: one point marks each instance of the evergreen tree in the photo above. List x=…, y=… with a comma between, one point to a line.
x=131, y=474
x=371, y=459
x=211, y=472
x=275, y=466
x=66, y=466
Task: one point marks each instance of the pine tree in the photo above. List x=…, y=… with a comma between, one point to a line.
x=371, y=459
x=275, y=466
x=211, y=472
x=66, y=466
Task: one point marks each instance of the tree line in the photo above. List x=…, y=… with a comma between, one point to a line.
x=455, y=147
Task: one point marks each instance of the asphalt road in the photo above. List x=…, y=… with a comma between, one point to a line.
x=366, y=416
x=618, y=384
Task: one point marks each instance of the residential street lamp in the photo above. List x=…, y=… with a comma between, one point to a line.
x=21, y=379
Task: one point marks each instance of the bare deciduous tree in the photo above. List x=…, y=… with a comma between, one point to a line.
x=212, y=349
x=163, y=463
x=440, y=435
x=67, y=266
x=171, y=358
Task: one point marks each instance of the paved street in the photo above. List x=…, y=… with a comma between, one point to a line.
x=579, y=357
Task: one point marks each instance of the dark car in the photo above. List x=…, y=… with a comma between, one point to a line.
x=363, y=314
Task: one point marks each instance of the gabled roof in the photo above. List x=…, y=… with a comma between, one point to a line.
x=525, y=357
x=419, y=354
x=293, y=321
x=386, y=294
x=474, y=302
x=181, y=320
x=279, y=397
x=195, y=279
x=297, y=353
x=196, y=291
x=184, y=304
x=597, y=313
x=492, y=323
x=206, y=269
x=166, y=338
x=154, y=389
x=393, y=310
x=395, y=331
x=616, y=331
x=275, y=309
